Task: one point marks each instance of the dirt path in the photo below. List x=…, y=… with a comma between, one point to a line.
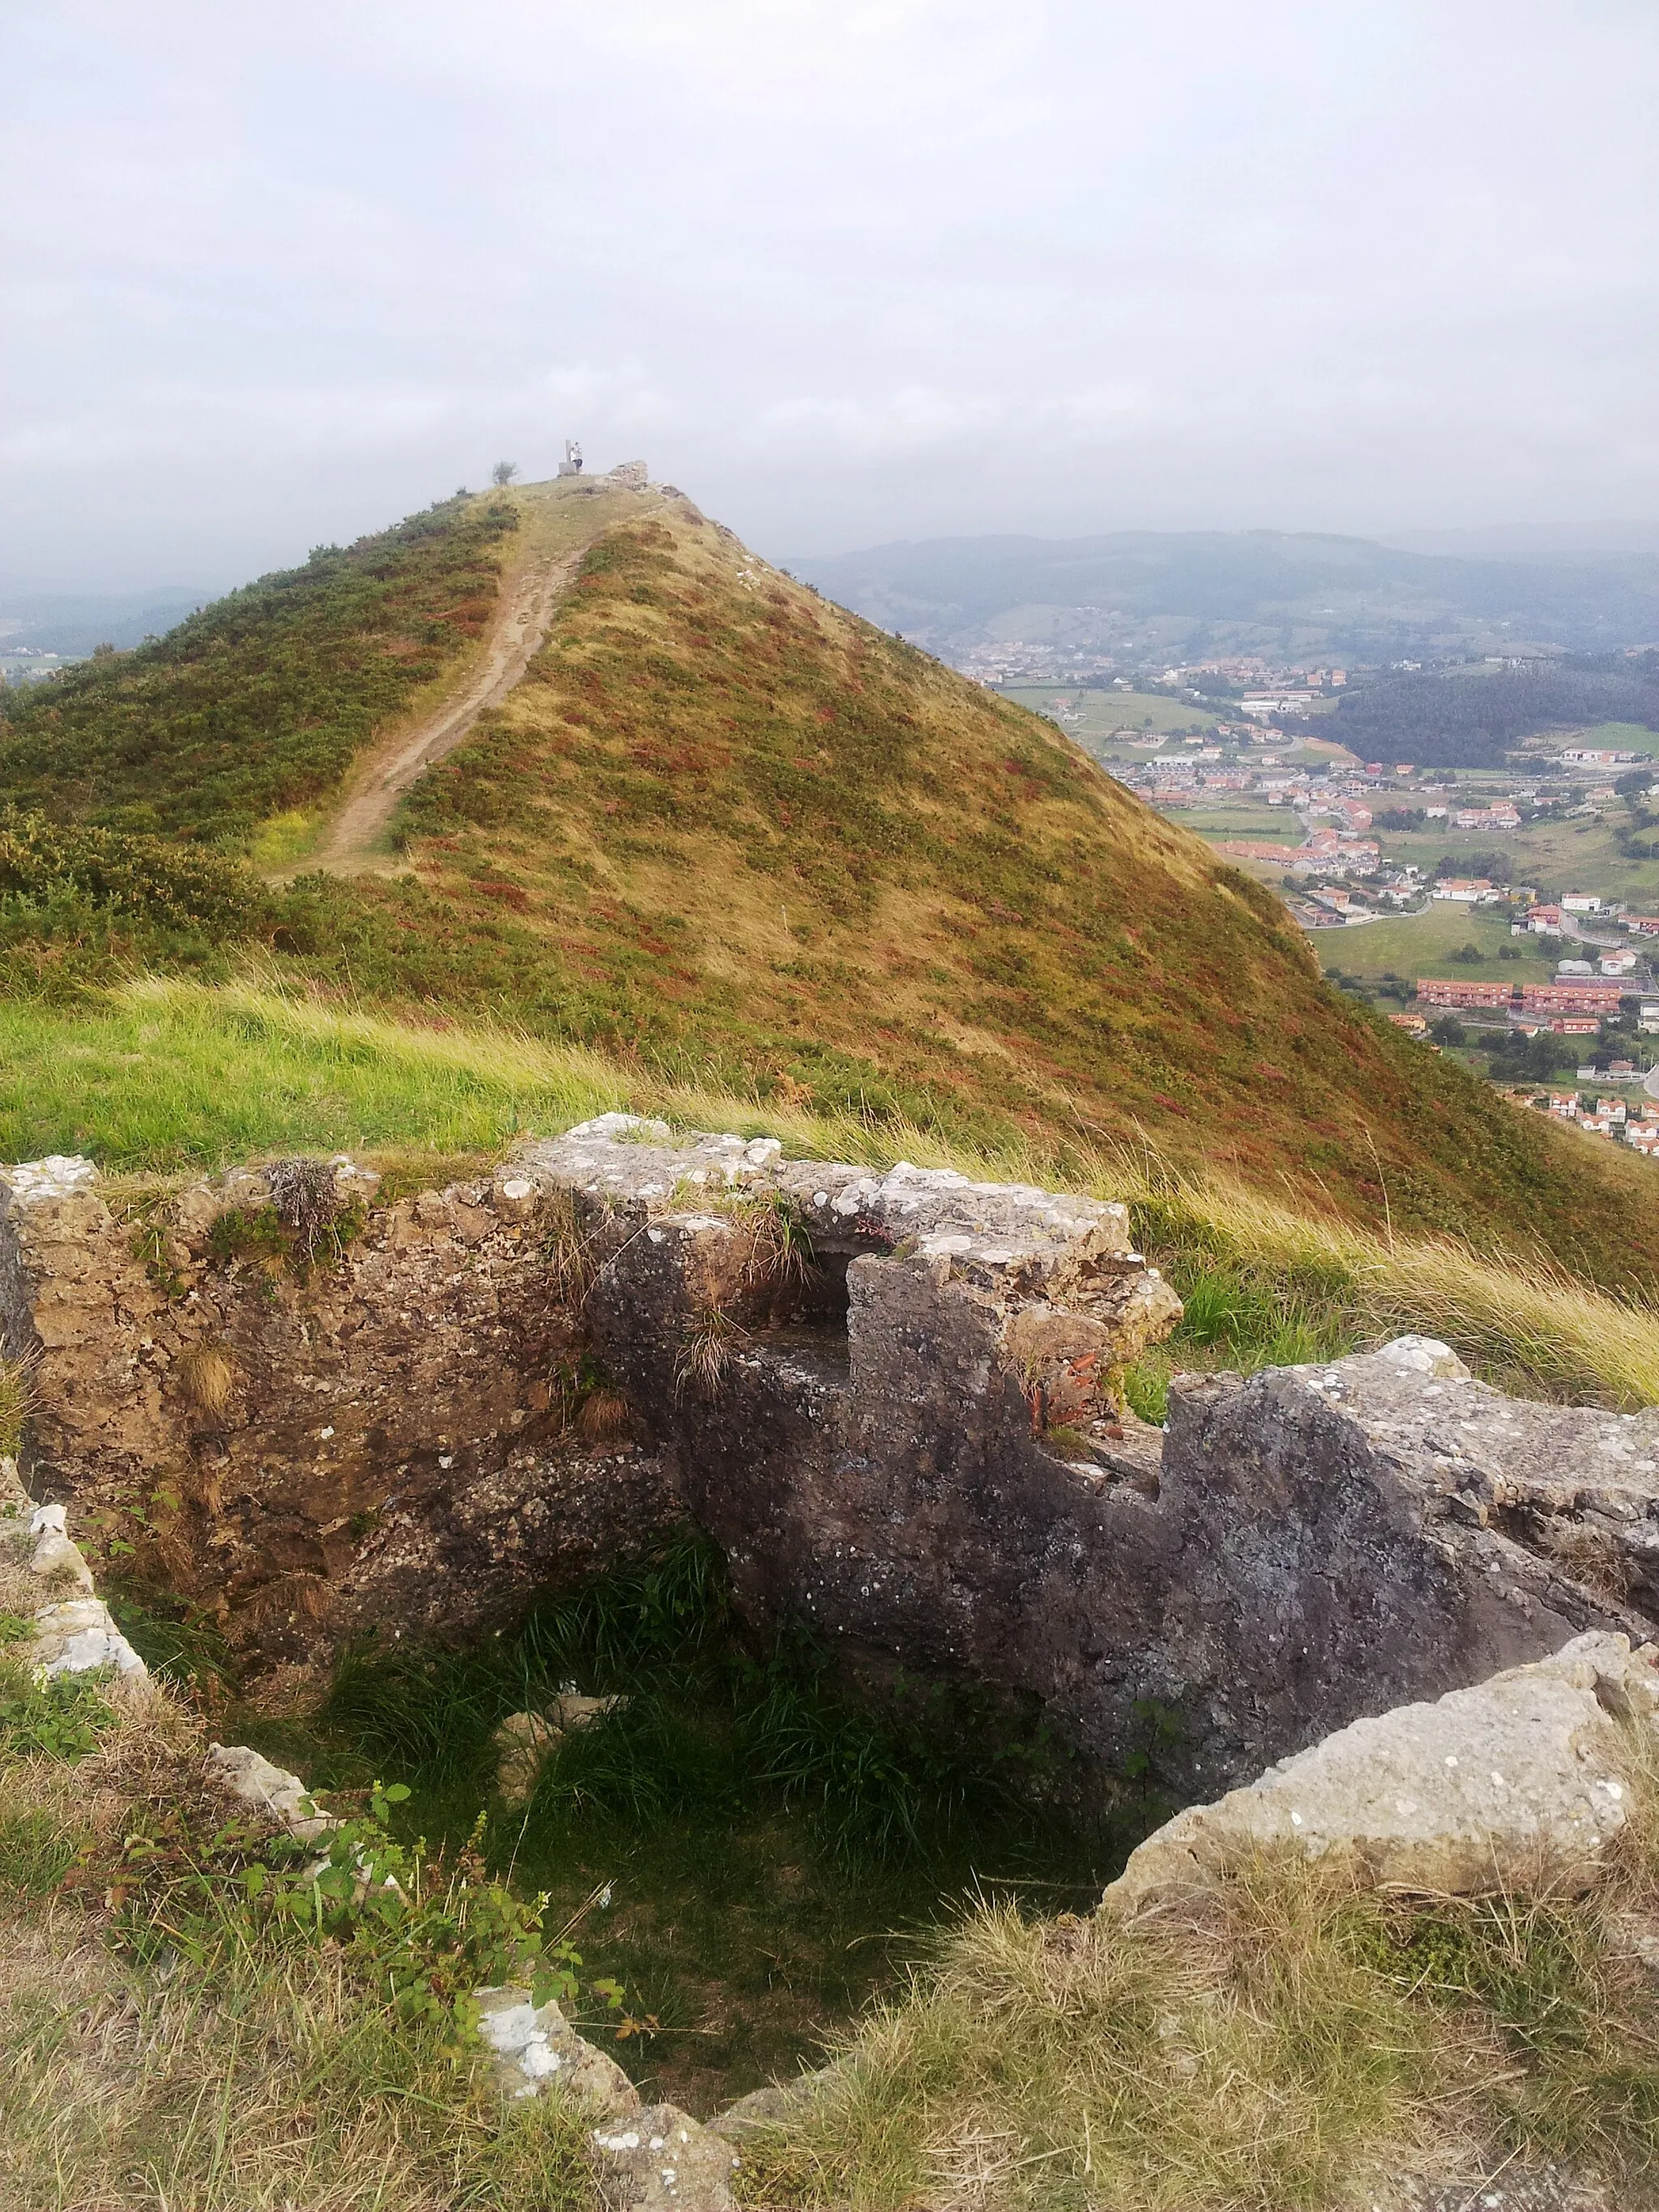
x=352, y=843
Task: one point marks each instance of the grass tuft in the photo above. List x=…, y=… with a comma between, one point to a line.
x=17, y=1393
x=207, y=1375
x=705, y=1353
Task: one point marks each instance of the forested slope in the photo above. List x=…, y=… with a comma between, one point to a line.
x=1455, y=719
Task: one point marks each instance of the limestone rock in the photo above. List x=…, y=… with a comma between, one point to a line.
x=535, y=2048
x=56, y=1557
x=770, y=2107
x=664, y=2158
x=58, y=1176
x=80, y=1638
x=526, y=1741
x=1529, y=1774
x=272, y=1790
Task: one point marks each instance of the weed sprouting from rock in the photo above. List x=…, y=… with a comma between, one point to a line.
x=573, y=1254
x=16, y=1402
x=603, y=1416
x=706, y=1352
x=306, y=1198
x=207, y=1375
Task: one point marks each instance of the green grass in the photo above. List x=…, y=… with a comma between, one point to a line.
x=163, y=1077
x=257, y=706
x=1238, y=1316
x=1103, y=712
x=768, y=1843
x=1423, y=944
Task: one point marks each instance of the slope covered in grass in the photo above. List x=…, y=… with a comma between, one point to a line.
x=725, y=823
x=174, y=1077
x=259, y=702
x=728, y=834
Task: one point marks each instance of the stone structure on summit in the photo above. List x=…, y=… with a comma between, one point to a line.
x=313, y=1404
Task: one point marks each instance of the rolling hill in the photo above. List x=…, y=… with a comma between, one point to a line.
x=725, y=828
x=1276, y=592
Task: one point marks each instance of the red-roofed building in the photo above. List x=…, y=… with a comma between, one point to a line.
x=1571, y=998
x=1441, y=991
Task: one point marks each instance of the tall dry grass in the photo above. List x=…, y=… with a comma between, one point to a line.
x=237, y=2072
x=1287, y=2040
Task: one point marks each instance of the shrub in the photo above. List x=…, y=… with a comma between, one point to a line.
x=259, y=702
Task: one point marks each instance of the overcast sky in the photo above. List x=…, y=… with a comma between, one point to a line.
x=847, y=270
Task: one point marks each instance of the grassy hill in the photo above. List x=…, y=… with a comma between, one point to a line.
x=258, y=704
x=728, y=832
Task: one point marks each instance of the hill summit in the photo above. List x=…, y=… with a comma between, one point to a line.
x=713, y=820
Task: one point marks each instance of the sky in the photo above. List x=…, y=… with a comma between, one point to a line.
x=846, y=270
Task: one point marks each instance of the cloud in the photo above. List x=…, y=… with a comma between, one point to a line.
x=853, y=268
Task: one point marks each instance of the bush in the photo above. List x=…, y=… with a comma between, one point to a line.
x=259, y=702
x=150, y=880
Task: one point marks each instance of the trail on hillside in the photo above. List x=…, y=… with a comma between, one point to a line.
x=529, y=596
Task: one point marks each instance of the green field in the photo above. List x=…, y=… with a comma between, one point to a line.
x=1553, y=856
x=1422, y=944
x=1102, y=712
x=1619, y=736
x=1237, y=814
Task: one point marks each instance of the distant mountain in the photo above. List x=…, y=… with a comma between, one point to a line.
x=1198, y=593
x=1534, y=542
x=72, y=624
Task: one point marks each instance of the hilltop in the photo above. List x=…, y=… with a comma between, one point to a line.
x=725, y=829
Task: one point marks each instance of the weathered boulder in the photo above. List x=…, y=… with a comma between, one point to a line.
x=280, y=1797
x=80, y=1636
x=56, y=1557
x=1362, y=1534
x=664, y=2158
x=1529, y=1775
x=527, y=1741
x=537, y=2049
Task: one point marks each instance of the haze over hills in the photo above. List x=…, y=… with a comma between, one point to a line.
x=1195, y=594
x=720, y=823
x=72, y=623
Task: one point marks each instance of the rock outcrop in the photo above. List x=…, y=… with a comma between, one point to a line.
x=892, y=1398
x=661, y=2159
x=73, y=1635
x=535, y=2048
x=1524, y=1779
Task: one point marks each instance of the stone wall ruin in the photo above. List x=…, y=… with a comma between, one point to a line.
x=313, y=1404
